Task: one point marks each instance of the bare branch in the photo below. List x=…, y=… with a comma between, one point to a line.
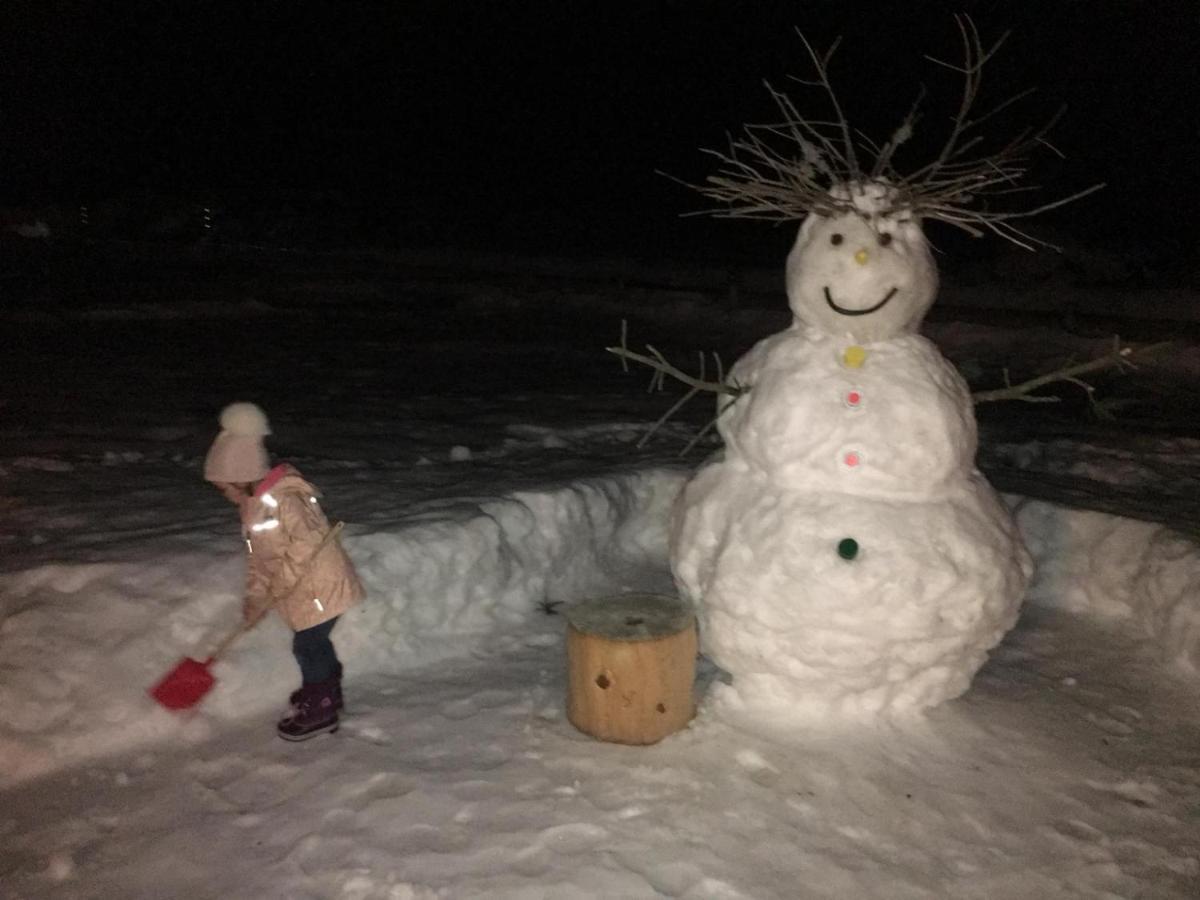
x=971, y=71
x=904, y=131
x=1121, y=357
x=663, y=368
x=787, y=170
x=822, y=65
x=709, y=426
x=665, y=417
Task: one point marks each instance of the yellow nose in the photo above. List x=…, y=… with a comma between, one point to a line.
x=861, y=257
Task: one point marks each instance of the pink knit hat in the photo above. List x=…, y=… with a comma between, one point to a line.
x=237, y=455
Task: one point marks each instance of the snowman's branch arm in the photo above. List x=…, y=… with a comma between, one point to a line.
x=712, y=423
x=687, y=448
x=624, y=343
x=1121, y=357
x=655, y=360
x=657, y=378
x=1090, y=390
x=663, y=368
x=665, y=417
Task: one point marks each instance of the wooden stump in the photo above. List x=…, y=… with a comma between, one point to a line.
x=631, y=664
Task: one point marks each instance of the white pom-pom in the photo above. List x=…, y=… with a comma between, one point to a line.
x=245, y=419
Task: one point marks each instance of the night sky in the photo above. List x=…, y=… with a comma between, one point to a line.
x=539, y=126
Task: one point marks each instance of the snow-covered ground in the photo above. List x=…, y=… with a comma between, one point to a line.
x=483, y=454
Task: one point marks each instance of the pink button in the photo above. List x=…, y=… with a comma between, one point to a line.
x=853, y=399
x=852, y=459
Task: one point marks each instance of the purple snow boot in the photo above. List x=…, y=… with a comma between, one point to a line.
x=335, y=681
x=335, y=686
x=314, y=713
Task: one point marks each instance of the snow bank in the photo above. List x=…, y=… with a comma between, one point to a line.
x=80, y=644
x=1095, y=564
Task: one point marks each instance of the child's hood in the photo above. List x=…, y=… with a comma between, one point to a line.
x=285, y=479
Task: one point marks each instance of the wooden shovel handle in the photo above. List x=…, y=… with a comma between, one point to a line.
x=243, y=627
x=228, y=640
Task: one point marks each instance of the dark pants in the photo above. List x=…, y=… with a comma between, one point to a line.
x=314, y=652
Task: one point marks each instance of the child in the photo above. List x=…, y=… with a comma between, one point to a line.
x=309, y=583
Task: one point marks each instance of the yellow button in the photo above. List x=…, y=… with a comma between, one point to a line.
x=854, y=356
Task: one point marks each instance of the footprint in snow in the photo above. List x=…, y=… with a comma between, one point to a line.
x=263, y=787
x=370, y=734
x=1078, y=832
x=380, y=786
x=1143, y=794
x=713, y=889
x=1183, y=779
x=573, y=837
x=757, y=768
x=469, y=706
x=430, y=839
x=1118, y=720
x=219, y=771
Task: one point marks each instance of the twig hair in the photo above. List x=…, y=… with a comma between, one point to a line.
x=788, y=169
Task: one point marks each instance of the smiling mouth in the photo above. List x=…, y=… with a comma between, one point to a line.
x=841, y=310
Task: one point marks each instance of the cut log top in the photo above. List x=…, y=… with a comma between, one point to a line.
x=631, y=617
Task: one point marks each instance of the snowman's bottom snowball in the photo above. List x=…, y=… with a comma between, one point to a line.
x=803, y=631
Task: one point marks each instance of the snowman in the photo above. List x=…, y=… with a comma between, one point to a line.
x=844, y=555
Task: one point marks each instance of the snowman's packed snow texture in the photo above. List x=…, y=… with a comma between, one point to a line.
x=844, y=555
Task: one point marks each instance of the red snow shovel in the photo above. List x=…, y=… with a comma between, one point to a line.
x=186, y=684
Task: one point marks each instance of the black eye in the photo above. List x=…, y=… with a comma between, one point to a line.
x=835, y=239
x=885, y=239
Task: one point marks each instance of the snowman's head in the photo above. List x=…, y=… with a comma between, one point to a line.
x=862, y=268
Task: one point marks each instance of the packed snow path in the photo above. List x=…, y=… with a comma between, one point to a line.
x=1069, y=771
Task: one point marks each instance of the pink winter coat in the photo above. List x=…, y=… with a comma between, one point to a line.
x=283, y=525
